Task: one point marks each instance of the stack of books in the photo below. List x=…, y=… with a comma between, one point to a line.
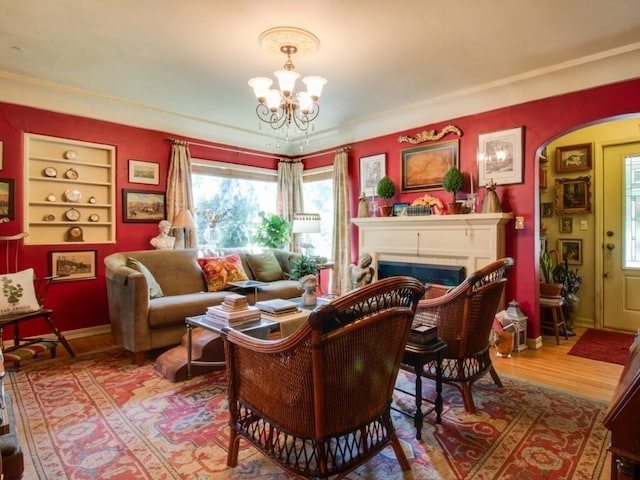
x=277, y=306
x=233, y=312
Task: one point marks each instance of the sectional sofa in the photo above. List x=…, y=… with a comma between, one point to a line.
x=150, y=292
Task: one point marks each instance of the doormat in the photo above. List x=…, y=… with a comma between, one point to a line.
x=603, y=345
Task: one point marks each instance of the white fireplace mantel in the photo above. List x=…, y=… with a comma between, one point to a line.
x=471, y=240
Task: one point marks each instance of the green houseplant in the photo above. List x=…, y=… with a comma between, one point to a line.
x=453, y=182
x=385, y=190
x=302, y=266
x=273, y=231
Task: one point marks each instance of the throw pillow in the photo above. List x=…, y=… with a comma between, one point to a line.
x=18, y=294
x=219, y=271
x=265, y=267
x=155, y=291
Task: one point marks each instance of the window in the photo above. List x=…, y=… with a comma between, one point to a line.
x=318, y=198
x=227, y=200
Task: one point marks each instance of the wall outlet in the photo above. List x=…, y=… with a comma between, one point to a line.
x=584, y=225
x=519, y=223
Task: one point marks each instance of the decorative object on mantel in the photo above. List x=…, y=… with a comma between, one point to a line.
x=430, y=135
x=452, y=182
x=425, y=205
x=385, y=190
x=491, y=202
x=363, y=207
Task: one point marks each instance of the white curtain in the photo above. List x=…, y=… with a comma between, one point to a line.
x=341, y=247
x=179, y=189
x=289, y=191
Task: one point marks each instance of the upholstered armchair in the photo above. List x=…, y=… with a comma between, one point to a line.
x=464, y=316
x=318, y=402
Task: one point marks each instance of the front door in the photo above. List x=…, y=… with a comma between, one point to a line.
x=621, y=237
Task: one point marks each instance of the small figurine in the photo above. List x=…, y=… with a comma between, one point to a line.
x=362, y=273
x=363, y=208
x=491, y=202
x=309, y=283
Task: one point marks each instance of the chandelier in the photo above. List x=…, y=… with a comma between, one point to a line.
x=287, y=107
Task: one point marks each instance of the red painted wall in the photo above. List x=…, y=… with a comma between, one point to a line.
x=83, y=303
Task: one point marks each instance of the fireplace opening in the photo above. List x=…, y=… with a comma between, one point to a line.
x=426, y=273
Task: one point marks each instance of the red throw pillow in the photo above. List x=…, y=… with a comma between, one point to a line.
x=219, y=271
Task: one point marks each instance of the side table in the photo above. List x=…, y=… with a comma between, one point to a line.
x=417, y=356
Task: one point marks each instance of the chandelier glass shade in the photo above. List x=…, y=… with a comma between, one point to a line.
x=287, y=106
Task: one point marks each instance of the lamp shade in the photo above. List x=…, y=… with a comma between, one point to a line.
x=306, y=223
x=184, y=219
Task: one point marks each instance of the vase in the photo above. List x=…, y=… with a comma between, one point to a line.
x=571, y=308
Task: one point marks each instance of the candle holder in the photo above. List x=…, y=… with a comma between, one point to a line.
x=472, y=202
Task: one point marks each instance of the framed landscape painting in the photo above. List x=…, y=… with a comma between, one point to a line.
x=73, y=265
x=144, y=172
x=141, y=206
x=423, y=168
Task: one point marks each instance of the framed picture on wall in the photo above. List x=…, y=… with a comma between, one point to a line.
x=500, y=157
x=423, y=168
x=372, y=169
x=546, y=209
x=144, y=172
x=573, y=195
x=6, y=198
x=566, y=225
x=73, y=265
x=573, y=158
x=570, y=250
x=142, y=206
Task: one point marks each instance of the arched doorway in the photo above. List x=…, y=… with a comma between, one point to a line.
x=562, y=229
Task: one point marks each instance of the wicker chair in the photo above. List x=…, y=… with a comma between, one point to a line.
x=318, y=401
x=464, y=316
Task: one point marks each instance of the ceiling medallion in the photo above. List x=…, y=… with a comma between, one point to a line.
x=274, y=39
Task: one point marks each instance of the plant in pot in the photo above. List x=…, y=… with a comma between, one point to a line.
x=548, y=287
x=570, y=281
x=302, y=266
x=385, y=190
x=453, y=182
x=273, y=231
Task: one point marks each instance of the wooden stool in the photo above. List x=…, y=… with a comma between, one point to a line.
x=555, y=305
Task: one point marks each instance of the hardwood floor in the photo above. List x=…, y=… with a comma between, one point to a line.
x=550, y=365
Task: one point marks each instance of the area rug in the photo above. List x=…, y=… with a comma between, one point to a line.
x=100, y=417
x=603, y=345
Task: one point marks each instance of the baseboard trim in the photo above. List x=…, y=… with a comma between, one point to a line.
x=71, y=334
x=534, y=343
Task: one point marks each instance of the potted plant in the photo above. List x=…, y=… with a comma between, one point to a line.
x=385, y=190
x=273, y=231
x=548, y=287
x=570, y=281
x=453, y=181
x=303, y=266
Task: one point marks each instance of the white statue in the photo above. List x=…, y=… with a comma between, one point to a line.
x=163, y=240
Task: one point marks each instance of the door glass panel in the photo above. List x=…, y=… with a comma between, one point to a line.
x=632, y=209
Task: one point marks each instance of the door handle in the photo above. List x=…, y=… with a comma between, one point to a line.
x=610, y=246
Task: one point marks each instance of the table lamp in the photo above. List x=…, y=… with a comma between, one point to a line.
x=183, y=222
x=306, y=223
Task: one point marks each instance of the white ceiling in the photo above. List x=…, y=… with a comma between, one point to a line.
x=183, y=66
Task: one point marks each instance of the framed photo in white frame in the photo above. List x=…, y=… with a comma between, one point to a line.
x=144, y=172
x=500, y=157
x=372, y=169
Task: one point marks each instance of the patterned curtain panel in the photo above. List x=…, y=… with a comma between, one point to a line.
x=179, y=189
x=341, y=247
x=289, y=191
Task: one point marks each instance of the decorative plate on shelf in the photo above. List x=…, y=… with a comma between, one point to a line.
x=72, y=195
x=49, y=218
x=72, y=214
x=94, y=218
x=50, y=172
x=70, y=154
x=71, y=174
x=51, y=197
x=92, y=200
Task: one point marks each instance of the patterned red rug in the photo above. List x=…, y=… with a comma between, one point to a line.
x=100, y=417
x=603, y=345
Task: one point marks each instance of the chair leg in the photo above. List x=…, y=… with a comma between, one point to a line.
x=402, y=458
x=59, y=334
x=495, y=377
x=467, y=398
x=234, y=443
x=554, y=316
x=139, y=358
